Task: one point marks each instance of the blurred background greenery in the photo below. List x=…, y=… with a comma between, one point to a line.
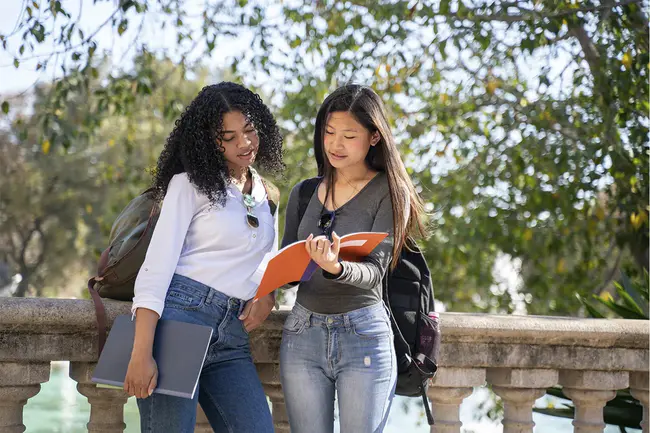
x=524, y=125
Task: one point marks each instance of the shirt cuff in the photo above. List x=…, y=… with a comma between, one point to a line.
x=155, y=306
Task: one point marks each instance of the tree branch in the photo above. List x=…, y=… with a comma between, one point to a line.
x=535, y=15
x=592, y=56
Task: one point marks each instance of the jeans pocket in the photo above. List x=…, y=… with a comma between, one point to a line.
x=375, y=327
x=294, y=325
x=182, y=298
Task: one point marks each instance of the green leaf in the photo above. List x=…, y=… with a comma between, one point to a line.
x=5, y=107
x=593, y=312
x=16, y=63
x=444, y=7
x=620, y=310
x=627, y=299
x=121, y=28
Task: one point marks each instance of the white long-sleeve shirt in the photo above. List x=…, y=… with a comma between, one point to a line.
x=213, y=245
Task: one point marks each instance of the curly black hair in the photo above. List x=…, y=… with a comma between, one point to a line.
x=192, y=145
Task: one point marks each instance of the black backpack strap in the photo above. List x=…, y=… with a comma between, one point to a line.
x=305, y=192
x=398, y=340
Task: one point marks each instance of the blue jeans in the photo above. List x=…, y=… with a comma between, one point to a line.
x=349, y=353
x=229, y=391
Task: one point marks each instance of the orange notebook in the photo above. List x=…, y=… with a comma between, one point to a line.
x=292, y=263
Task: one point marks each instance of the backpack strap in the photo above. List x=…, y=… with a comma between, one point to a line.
x=100, y=314
x=272, y=194
x=305, y=192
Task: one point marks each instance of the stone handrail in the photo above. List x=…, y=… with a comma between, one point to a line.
x=519, y=356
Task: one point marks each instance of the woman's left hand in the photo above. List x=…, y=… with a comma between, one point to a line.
x=256, y=312
x=325, y=253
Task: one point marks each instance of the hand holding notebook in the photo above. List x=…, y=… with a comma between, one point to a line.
x=292, y=263
x=179, y=350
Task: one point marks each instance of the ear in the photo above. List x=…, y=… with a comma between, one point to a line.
x=374, y=138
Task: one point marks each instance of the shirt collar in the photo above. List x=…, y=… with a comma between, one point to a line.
x=258, y=191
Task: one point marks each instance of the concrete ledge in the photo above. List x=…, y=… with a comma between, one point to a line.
x=41, y=329
x=74, y=315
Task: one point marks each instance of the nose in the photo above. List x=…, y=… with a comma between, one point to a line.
x=244, y=140
x=335, y=142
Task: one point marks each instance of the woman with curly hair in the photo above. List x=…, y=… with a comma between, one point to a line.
x=215, y=227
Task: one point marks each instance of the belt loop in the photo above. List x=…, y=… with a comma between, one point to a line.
x=242, y=305
x=208, y=299
x=346, y=321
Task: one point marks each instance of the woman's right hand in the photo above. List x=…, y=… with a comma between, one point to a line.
x=141, y=376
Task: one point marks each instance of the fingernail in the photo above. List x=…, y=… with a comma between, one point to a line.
x=241, y=317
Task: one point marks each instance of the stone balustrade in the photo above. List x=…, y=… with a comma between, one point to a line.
x=519, y=356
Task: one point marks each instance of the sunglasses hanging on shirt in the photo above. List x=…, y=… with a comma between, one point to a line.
x=251, y=219
x=326, y=223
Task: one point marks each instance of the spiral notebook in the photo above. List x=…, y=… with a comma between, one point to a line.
x=179, y=350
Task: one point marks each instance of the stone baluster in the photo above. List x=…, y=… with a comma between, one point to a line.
x=519, y=388
x=279, y=409
x=19, y=383
x=639, y=388
x=590, y=391
x=447, y=391
x=270, y=376
x=106, y=404
x=202, y=423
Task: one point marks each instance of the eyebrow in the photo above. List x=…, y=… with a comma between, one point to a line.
x=344, y=130
x=245, y=126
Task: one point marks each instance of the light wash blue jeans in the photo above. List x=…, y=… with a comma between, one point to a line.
x=349, y=353
x=230, y=391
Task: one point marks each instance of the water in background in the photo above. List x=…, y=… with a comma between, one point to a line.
x=59, y=408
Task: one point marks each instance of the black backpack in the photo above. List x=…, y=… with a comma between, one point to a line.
x=409, y=296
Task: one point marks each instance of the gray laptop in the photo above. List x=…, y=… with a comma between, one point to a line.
x=179, y=350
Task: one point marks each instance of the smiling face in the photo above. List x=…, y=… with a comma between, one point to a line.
x=346, y=141
x=239, y=141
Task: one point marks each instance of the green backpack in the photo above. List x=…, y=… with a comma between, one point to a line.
x=130, y=236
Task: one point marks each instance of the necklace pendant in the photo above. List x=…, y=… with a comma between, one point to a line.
x=248, y=200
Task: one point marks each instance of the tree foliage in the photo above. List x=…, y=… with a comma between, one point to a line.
x=525, y=124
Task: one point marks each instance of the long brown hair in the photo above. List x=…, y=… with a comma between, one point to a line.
x=368, y=109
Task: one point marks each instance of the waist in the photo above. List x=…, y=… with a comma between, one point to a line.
x=199, y=290
x=378, y=310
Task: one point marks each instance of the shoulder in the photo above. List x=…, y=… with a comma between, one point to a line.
x=180, y=181
x=181, y=185
x=304, y=185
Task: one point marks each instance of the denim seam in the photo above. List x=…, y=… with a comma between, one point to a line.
x=153, y=401
x=222, y=326
x=221, y=412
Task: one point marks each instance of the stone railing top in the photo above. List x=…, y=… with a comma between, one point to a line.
x=46, y=315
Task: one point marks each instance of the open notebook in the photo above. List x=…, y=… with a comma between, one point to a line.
x=292, y=263
x=179, y=350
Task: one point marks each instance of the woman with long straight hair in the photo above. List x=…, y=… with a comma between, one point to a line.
x=338, y=337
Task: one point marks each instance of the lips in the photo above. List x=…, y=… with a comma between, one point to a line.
x=337, y=156
x=248, y=155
